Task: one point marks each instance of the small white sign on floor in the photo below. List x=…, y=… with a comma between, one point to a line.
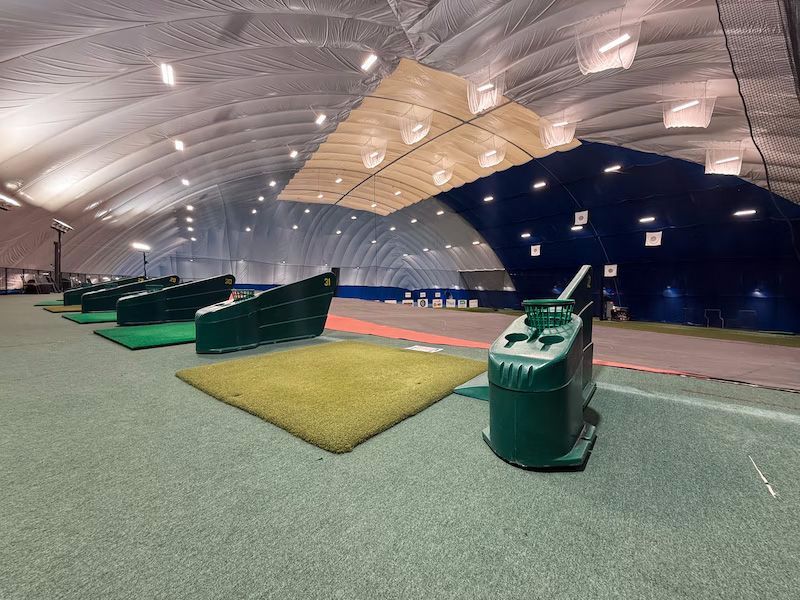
x=424, y=349
x=409, y=302
x=390, y=301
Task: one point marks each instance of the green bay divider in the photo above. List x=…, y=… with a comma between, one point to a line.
x=289, y=312
x=173, y=303
x=107, y=299
x=73, y=297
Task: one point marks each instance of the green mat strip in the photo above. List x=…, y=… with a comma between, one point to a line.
x=50, y=303
x=109, y=316
x=139, y=337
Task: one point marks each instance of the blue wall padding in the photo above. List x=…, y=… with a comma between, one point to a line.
x=709, y=259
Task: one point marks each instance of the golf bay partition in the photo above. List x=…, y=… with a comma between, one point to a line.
x=107, y=299
x=290, y=312
x=174, y=303
x=540, y=380
x=73, y=297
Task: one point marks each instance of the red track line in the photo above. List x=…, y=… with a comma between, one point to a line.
x=351, y=325
x=365, y=327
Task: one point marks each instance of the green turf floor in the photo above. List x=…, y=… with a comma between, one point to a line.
x=733, y=335
x=138, y=337
x=93, y=317
x=119, y=481
x=50, y=303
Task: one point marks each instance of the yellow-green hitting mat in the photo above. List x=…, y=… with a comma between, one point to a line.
x=335, y=395
x=62, y=308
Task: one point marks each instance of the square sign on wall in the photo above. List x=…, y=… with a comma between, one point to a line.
x=652, y=238
x=610, y=271
x=536, y=250
x=582, y=217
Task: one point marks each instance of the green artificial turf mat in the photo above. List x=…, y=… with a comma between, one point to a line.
x=50, y=303
x=716, y=333
x=63, y=309
x=337, y=395
x=150, y=336
x=109, y=316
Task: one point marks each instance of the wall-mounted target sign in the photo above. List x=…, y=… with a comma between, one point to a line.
x=652, y=238
x=610, y=271
x=536, y=250
x=582, y=217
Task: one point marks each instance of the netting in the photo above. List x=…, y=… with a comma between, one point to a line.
x=763, y=58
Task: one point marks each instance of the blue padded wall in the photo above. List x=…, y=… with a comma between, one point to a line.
x=747, y=267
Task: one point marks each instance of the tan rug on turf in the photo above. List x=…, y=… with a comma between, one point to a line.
x=335, y=395
x=60, y=309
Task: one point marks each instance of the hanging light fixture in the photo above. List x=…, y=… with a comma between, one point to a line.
x=687, y=104
x=492, y=151
x=444, y=170
x=485, y=92
x=725, y=159
x=556, y=132
x=606, y=41
x=373, y=152
x=415, y=124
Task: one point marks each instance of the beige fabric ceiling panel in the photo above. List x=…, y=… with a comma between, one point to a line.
x=456, y=137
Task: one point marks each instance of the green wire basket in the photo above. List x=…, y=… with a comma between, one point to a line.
x=547, y=314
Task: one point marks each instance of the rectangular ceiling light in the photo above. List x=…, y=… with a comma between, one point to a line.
x=7, y=200
x=417, y=127
x=338, y=180
x=140, y=246
x=614, y=43
x=722, y=161
x=488, y=198
x=612, y=169
x=368, y=62
x=744, y=213
x=647, y=219
x=185, y=181
x=685, y=105
x=486, y=87
x=179, y=145
x=167, y=74
x=320, y=119
x=293, y=154
x=539, y=184
x=561, y=124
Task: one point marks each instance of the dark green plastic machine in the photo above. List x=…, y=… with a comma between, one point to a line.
x=174, y=303
x=107, y=299
x=73, y=297
x=290, y=312
x=540, y=381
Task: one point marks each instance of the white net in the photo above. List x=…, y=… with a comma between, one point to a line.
x=492, y=151
x=556, y=132
x=606, y=42
x=486, y=93
x=415, y=124
x=373, y=152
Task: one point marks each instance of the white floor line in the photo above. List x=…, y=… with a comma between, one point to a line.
x=764, y=479
x=704, y=403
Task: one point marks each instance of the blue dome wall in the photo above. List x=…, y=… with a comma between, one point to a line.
x=709, y=259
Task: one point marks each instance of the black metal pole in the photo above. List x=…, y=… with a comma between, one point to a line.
x=144, y=262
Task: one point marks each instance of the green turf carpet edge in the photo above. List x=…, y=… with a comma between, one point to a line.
x=141, y=337
x=50, y=303
x=95, y=317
